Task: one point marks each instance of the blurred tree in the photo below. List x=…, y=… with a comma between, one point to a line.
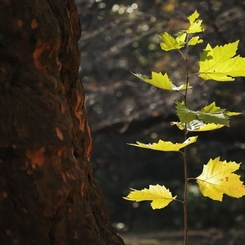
x=48, y=192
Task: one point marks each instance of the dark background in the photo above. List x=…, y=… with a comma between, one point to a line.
x=121, y=36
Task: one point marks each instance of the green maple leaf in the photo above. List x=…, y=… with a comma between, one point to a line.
x=213, y=114
x=221, y=64
x=161, y=81
x=209, y=114
x=185, y=115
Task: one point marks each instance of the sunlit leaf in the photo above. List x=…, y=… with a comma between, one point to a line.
x=232, y=113
x=195, y=23
x=181, y=36
x=166, y=145
x=197, y=126
x=195, y=40
x=221, y=64
x=209, y=114
x=159, y=196
x=161, y=81
x=217, y=178
x=213, y=114
x=169, y=42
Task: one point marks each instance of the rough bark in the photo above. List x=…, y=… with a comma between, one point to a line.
x=47, y=191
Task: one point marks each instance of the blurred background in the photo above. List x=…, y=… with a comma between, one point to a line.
x=120, y=37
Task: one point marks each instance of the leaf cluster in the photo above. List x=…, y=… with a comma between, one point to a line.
x=220, y=64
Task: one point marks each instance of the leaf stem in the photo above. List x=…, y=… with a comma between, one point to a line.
x=178, y=200
x=192, y=179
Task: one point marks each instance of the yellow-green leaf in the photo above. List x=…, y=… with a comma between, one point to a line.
x=181, y=36
x=159, y=195
x=217, y=178
x=161, y=81
x=233, y=113
x=209, y=114
x=221, y=64
x=168, y=42
x=197, y=126
x=166, y=145
x=195, y=40
x=195, y=23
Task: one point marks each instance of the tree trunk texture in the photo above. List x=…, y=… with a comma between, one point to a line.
x=47, y=191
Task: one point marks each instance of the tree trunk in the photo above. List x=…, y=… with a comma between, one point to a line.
x=47, y=191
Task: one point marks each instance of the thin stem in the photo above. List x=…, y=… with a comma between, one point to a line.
x=185, y=199
x=177, y=200
x=192, y=179
x=185, y=154
x=185, y=58
x=183, y=55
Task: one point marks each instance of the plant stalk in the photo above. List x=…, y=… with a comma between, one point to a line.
x=185, y=199
x=185, y=154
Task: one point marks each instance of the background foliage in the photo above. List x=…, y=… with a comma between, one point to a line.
x=119, y=36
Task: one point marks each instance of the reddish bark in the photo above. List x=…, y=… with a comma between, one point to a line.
x=47, y=194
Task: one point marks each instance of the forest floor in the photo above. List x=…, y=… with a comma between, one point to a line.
x=204, y=237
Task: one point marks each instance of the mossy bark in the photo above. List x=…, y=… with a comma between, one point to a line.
x=47, y=191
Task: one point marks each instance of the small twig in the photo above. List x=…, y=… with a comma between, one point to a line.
x=185, y=152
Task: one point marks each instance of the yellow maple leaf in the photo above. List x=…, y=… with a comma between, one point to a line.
x=195, y=23
x=159, y=195
x=221, y=63
x=169, y=42
x=195, y=40
x=161, y=81
x=217, y=178
x=166, y=145
x=197, y=126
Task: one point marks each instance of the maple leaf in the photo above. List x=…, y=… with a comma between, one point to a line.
x=217, y=178
x=166, y=145
x=159, y=195
x=195, y=23
x=195, y=40
x=169, y=42
x=197, y=126
x=221, y=64
x=161, y=81
x=209, y=114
